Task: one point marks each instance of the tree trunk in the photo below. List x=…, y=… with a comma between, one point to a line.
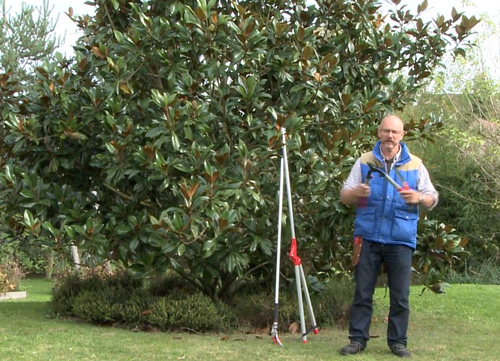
x=76, y=257
x=49, y=270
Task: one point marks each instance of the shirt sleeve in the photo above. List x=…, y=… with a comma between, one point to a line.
x=425, y=186
x=354, y=178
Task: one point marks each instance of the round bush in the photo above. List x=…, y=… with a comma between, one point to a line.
x=196, y=312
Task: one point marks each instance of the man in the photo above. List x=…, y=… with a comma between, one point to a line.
x=386, y=228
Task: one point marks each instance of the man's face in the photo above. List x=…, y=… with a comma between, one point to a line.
x=391, y=132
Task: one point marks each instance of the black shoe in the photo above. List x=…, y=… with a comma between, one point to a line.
x=353, y=348
x=400, y=350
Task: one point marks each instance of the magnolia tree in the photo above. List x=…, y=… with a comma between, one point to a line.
x=158, y=145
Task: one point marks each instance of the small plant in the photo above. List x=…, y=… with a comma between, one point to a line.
x=10, y=277
x=439, y=249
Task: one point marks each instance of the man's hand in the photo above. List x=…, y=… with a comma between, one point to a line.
x=410, y=196
x=362, y=191
x=350, y=196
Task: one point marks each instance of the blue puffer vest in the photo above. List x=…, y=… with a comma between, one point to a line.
x=387, y=218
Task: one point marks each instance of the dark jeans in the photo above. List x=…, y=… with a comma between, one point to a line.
x=398, y=264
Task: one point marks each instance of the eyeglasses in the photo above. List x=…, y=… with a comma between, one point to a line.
x=391, y=131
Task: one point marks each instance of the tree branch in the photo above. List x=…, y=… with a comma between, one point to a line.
x=462, y=196
x=148, y=204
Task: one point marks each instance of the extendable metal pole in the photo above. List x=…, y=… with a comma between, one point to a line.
x=274, y=330
x=314, y=326
x=293, y=251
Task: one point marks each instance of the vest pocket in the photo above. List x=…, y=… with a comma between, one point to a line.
x=404, y=227
x=365, y=221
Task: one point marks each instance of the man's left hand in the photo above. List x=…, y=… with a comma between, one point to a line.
x=410, y=196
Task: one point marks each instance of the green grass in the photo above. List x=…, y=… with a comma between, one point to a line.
x=462, y=324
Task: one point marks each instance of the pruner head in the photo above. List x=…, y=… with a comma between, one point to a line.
x=368, y=177
x=374, y=168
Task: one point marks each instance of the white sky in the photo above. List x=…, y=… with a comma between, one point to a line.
x=65, y=28
x=489, y=31
x=491, y=45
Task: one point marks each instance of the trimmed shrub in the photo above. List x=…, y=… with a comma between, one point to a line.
x=330, y=303
x=97, y=307
x=196, y=311
x=193, y=312
x=257, y=310
x=121, y=285
x=136, y=308
x=171, y=283
x=63, y=295
x=169, y=305
x=228, y=319
x=165, y=304
x=159, y=316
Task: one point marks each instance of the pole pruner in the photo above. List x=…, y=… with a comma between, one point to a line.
x=300, y=278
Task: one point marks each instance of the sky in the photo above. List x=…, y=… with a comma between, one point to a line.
x=490, y=46
x=65, y=28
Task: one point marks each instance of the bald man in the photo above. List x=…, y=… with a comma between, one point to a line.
x=385, y=231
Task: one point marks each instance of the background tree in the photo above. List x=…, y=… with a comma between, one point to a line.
x=158, y=146
x=464, y=158
x=26, y=39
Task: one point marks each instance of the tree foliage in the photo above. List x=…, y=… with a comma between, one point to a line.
x=158, y=144
x=464, y=159
x=26, y=39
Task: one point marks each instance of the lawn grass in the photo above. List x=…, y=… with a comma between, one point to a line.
x=462, y=324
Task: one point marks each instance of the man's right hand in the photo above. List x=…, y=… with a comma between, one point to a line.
x=350, y=196
x=362, y=190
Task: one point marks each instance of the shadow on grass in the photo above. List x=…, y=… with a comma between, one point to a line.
x=23, y=309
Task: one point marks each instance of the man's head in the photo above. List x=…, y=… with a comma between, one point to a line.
x=390, y=133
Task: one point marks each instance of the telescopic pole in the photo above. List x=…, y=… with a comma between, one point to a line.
x=274, y=330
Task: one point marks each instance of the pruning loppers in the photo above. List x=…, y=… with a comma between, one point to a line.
x=374, y=168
